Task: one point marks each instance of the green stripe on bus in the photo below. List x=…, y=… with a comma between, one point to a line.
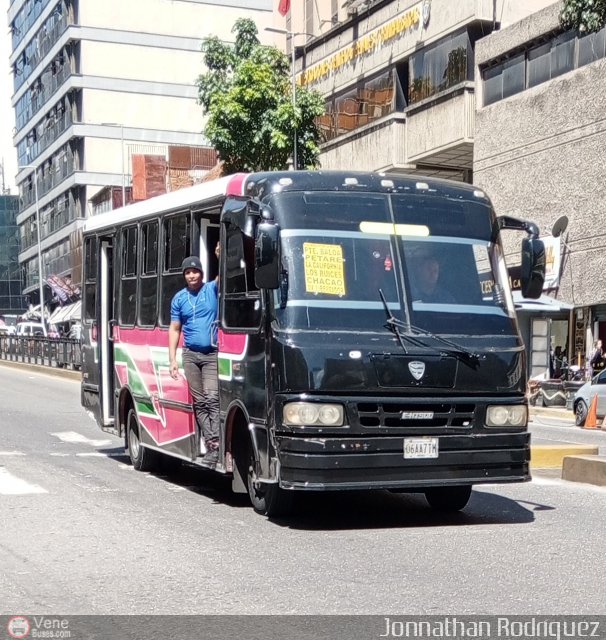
x=224, y=366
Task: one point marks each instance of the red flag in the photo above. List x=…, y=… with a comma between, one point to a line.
x=284, y=7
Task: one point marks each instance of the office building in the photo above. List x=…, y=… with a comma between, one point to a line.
x=98, y=87
x=540, y=137
x=397, y=77
x=11, y=281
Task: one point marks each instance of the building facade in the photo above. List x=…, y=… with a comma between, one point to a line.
x=398, y=79
x=11, y=280
x=539, y=147
x=97, y=85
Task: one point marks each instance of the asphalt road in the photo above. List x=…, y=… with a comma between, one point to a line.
x=82, y=533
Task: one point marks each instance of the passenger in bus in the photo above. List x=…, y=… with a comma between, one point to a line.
x=194, y=312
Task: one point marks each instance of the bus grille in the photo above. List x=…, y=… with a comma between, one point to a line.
x=400, y=414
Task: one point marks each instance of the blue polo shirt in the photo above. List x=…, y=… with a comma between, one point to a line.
x=197, y=313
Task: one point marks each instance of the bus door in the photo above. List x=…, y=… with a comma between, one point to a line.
x=104, y=328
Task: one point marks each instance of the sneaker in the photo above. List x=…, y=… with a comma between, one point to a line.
x=211, y=457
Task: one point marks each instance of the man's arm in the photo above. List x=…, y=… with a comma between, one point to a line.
x=174, y=333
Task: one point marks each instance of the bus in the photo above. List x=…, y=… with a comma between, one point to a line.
x=336, y=371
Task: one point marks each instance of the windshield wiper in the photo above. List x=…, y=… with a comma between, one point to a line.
x=396, y=326
x=455, y=349
x=402, y=330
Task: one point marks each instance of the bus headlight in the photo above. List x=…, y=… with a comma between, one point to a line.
x=512, y=415
x=313, y=414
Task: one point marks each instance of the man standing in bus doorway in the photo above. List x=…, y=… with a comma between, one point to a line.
x=194, y=311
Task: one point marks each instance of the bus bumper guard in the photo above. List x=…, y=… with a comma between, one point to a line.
x=333, y=463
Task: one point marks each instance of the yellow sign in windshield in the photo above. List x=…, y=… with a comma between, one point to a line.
x=324, y=268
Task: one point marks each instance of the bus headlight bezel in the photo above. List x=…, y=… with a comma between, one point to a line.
x=312, y=414
x=506, y=415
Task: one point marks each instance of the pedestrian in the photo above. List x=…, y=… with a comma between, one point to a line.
x=596, y=362
x=194, y=312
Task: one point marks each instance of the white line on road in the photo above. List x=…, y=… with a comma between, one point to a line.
x=11, y=453
x=77, y=438
x=11, y=485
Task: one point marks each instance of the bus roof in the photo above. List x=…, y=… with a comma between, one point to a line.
x=182, y=198
x=261, y=183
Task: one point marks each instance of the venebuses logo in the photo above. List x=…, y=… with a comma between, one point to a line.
x=18, y=627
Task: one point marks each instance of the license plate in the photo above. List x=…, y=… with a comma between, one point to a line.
x=417, y=448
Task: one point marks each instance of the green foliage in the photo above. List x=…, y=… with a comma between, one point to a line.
x=247, y=94
x=586, y=16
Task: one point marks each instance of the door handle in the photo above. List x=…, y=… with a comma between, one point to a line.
x=111, y=324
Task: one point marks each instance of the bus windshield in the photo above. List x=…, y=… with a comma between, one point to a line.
x=436, y=261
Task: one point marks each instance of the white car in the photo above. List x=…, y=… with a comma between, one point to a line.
x=31, y=329
x=583, y=397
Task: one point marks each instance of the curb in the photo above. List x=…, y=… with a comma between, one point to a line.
x=40, y=368
x=560, y=413
x=588, y=469
x=551, y=456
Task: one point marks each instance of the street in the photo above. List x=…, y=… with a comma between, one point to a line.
x=83, y=533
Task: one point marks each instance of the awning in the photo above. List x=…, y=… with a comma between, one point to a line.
x=68, y=313
x=545, y=303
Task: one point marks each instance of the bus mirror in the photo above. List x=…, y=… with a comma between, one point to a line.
x=532, y=272
x=267, y=256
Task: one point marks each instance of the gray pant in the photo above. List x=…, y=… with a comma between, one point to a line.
x=201, y=373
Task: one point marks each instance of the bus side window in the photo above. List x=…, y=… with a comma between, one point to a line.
x=90, y=280
x=241, y=302
x=177, y=246
x=148, y=289
x=128, y=278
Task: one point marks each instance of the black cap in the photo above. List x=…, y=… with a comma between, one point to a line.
x=193, y=262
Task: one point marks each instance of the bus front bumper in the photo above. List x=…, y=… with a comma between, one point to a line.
x=334, y=463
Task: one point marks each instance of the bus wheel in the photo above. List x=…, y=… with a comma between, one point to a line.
x=448, y=498
x=142, y=459
x=267, y=499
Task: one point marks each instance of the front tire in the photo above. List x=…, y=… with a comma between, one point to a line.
x=580, y=413
x=448, y=499
x=266, y=499
x=142, y=459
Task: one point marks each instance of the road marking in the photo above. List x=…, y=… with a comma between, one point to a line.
x=11, y=453
x=77, y=438
x=11, y=485
x=92, y=454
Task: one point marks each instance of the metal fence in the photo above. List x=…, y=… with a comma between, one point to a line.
x=49, y=352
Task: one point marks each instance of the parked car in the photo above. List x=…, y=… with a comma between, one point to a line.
x=583, y=397
x=7, y=330
x=31, y=329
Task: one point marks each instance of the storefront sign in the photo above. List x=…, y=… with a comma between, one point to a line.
x=366, y=44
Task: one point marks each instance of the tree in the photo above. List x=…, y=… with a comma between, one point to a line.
x=586, y=16
x=246, y=93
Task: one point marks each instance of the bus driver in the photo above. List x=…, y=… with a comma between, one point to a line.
x=194, y=310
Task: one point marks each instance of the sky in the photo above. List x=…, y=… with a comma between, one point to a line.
x=8, y=155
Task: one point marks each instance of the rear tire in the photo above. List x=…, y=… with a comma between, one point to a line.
x=448, y=499
x=266, y=499
x=142, y=459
